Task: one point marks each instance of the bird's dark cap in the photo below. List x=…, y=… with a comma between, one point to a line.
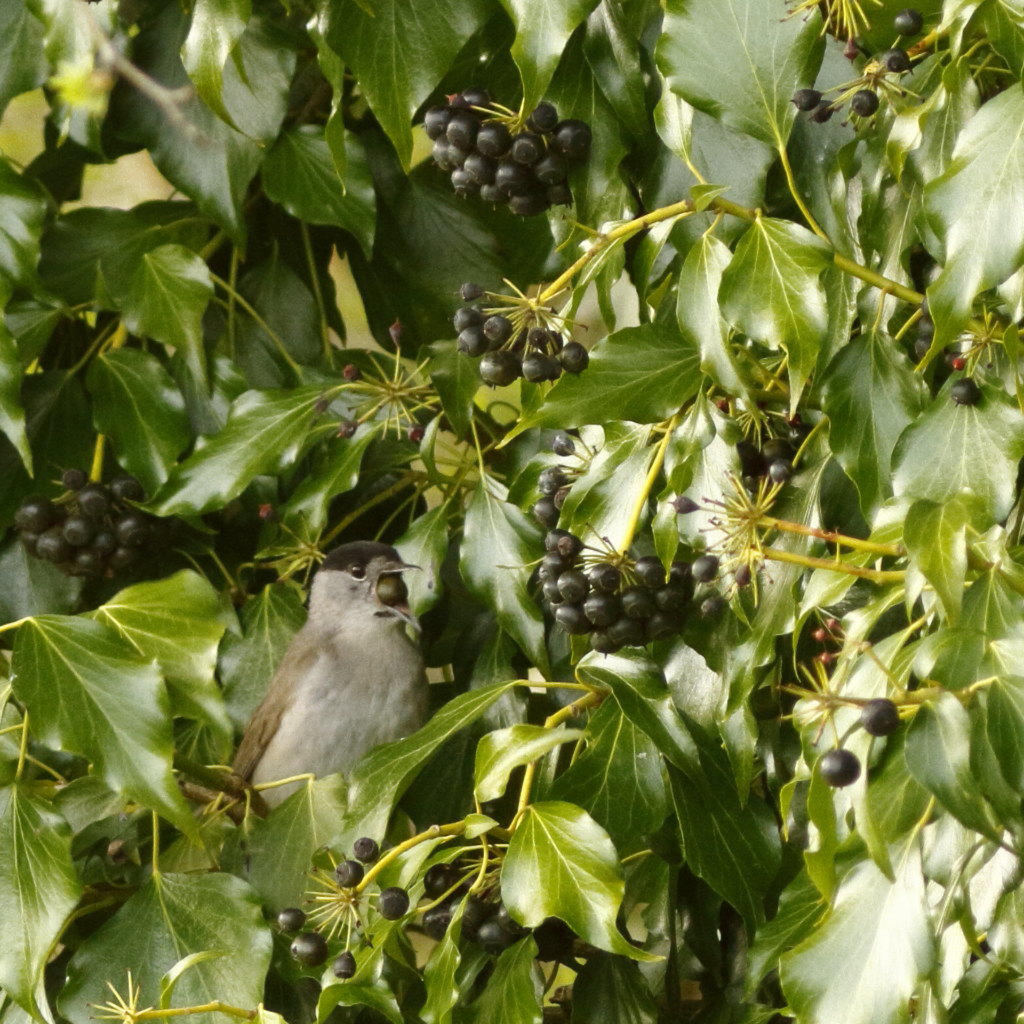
x=360, y=552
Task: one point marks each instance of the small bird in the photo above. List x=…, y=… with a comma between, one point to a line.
x=350, y=679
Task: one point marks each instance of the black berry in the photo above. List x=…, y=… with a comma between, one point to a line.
x=291, y=919
x=94, y=501
x=864, y=103
x=127, y=488
x=839, y=767
x=493, y=140
x=637, y=602
x=684, y=505
x=573, y=586
x=470, y=292
x=436, y=921
x=500, y=368
x=602, y=609
x=908, y=22
x=551, y=479
x=435, y=121
x=74, y=479
x=52, y=547
x=472, y=342
x=880, y=717
x=649, y=571
x=562, y=444
x=366, y=849
x=895, y=60
x=527, y=148
x=627, y=633
x=539, y=366
x=605, y=577
x=545, y=511
x=572, y=139
x=965, y=392
x=574, y=357
x=132, y=529
x=573, y=619
x=705, y=568
x=309, y=948
x=711, y=606
x=349, y=873
x=497, y=329
x=344, y=965
x=823, y=112
x=35, y=515
x=780, y=471
x=493, y=938
x=392, y=903
x=78, y=530
x=438, y=879
x=806, y=99
x=543, y=118
x=462, y=129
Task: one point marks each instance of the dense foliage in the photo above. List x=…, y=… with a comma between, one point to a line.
x=728, y=720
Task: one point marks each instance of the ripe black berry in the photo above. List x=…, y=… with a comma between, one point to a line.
x=529, y=204
x=573, y=619
x=965, y=392
x=551, y=479
x=474, y=96
x=392, y=903
x=472, y=342
x=291, y=919
x=470, y=292
x=493, y=140
x=497, y=329
x=572, y=139
x=344, y=965
x=132, y=529
x=78, y=530
x=35, y=515
x=806, y=99
x=562, y=444
x=776, y=448
x=366, y=849
x=661, y=625
x=545, y=511
x=711, y=606
x=74, y=479
x=559, y=195
x=500, y=368
x=479, y=168
x=127, y=488
x=627, y=632
x=602, y=609
x=601, y=642
x=605, y=577
x=638, y=602
x=551, y=592
x=539, y=366
x=349, y=873
x=751, y=460
x=551, y=169
x=513, y=178
x=527, y=148
x=823, y=112
x=672, y=597
x=52, y=547
x=438, y=879
x=462, y=129
x=704, y=569
x=553, y=540
x=908, y=22
x=574, y=357
x=839, y=767
x=649, y=571
x=122, y=557
x=880, y=717
x=94, y=501
x=463, y=183
x=543, y=118
x=309, y=948
x=864, y=103
x=435, y=121
x=895, y=60
x=436, y=921
x=493, y=938
x=684, y=505
x=780, y=471
x=573, y=586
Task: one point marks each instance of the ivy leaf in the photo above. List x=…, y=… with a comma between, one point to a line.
x=611, y=990
x=561, y=863
x=266, y=431
x=177, y=622
x=299, y=174
x=247, y=662
x=1004, y=718
x=617, y=759
x=513, y=992
x=12, y=413
x=381, y=777
x=761, y=58
x=275, y=854
x=953, y=448
x=169, y=918
x=543, y=28
x=139, y=407
x=22, y=211
x=864, y=434
x=939, y=756
x=215, y=28
x=88, y=692
x=936, y=540
x=399, y=50
x=499, y=752
x=456, y=380
x=772, y=292
x=39, y=888
x=863, y=964
x=499, y=547
x=642, y=374
x=22, y=63
x=975, y=209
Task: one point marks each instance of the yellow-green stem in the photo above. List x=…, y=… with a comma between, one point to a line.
x=649, y=480
x=810, y=562
x=795, y=192
x=455, y=828
x=96, y=469
x=23, y=746
x=236, y=296
x=183, y=1011
x=832, y=537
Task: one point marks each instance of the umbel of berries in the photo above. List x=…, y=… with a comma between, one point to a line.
x=496, y=155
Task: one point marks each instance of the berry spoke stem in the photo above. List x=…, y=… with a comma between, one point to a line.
x=810, y=562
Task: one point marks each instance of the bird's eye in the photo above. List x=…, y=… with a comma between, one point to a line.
x=357, y=572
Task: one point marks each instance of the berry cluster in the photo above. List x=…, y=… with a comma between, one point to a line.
x=863, y=94
x=93, y=529
x=840, y=767
x=493, y=153
x=513, y=337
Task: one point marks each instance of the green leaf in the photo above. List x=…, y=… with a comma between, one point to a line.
x=499, y=545
x=275, y=854
x=1004, y=719
x=760, y=58
x=938, y=755
x=772, y=292
x=936, y=540
x=270, y=619
x=457, y=382
x=12, y=413
x=265, y=432
x=381, y=777
x=88, y=692
x=733, y=846
x=975, y=209
x=169, y=918
x=863, y=434
x=215, y=28
x=425, y=544
x=542, y=30
x=166, y=300
x=953, y=448
x=440, y=974
x=399, y=50
x=611, y=990
x=177, y=622
x=22, y=65
x=139, y=407
x=698, y=315
x=299, y=174
x=499, y=752
x=617, y=759
x=22, y=209
x=863, y=964
x=643, y=374
x=513, y=994
x=561, y=863
x=38, y=890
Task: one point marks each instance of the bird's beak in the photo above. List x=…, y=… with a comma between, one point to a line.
x=396, y=596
